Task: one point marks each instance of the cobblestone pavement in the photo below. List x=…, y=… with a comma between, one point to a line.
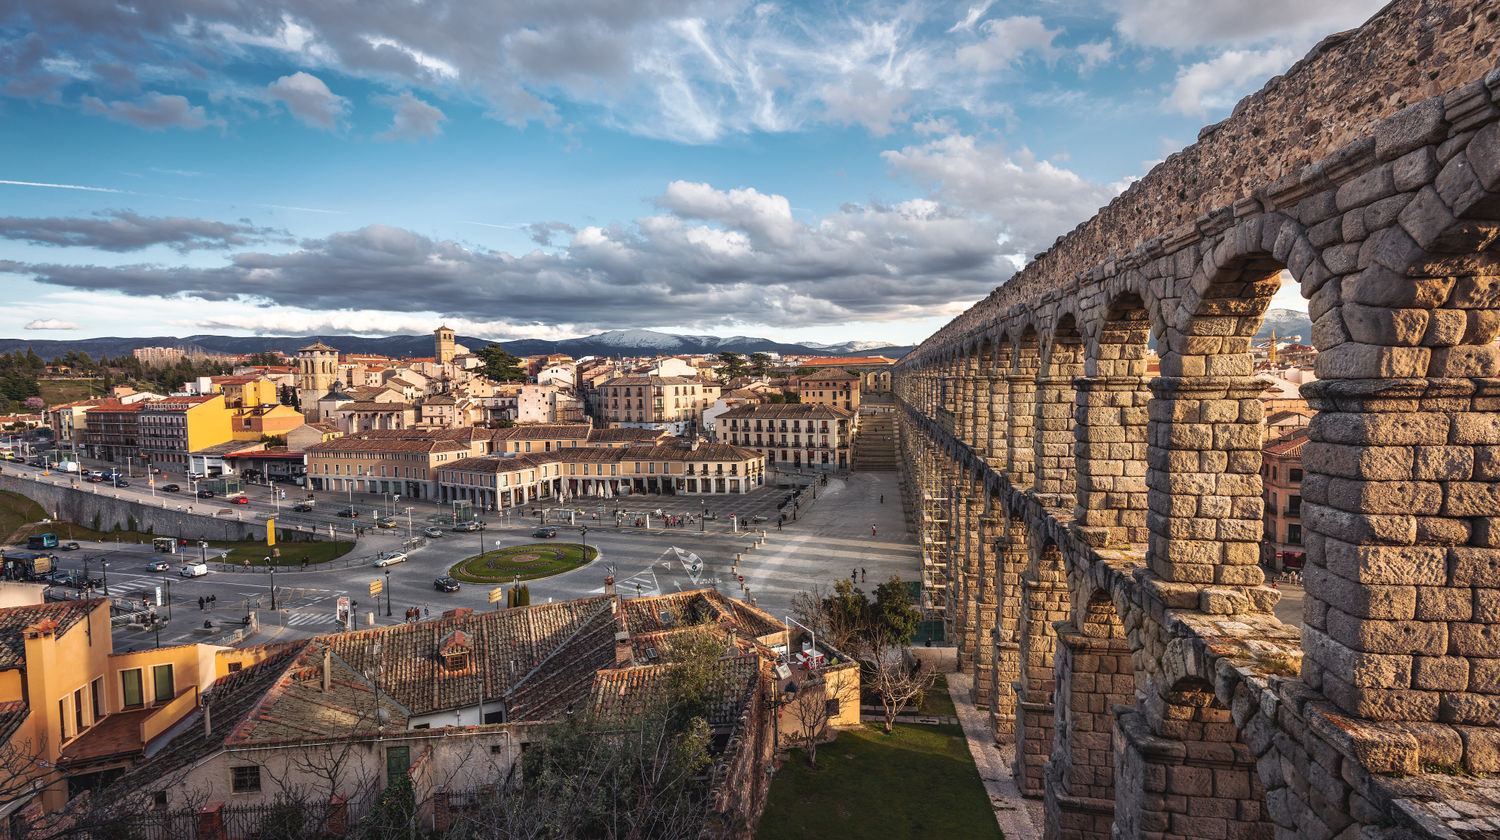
x=1018, y=817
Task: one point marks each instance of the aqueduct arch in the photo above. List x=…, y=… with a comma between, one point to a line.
x=1092, y=529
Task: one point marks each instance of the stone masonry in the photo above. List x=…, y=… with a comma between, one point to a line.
x=1093, y=531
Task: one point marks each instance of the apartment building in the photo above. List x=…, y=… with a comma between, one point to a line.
x=173, y=428
x=671, y=403
x=793, y=435
x=603, y=472
x=1281, y=475
x=72, y=713
x=830, y=386
x=69, y=420
x=254, y=422
x=111, y=432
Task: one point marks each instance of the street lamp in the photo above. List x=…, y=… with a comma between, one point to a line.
x=702, y=511
x=408, y=524
x=272, y=567
x=387, y=592
x=584, y=533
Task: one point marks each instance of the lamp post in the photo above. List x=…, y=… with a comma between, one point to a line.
x=388, y=592
x=702, y=512
x=272, y=567
x=584, y=533
x=408, y=524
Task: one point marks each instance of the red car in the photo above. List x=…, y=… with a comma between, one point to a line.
x=240, y=500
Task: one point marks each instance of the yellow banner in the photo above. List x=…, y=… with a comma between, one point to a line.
x=270, y=532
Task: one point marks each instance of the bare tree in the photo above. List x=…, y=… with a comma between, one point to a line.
x=815, y=703
x=890, y=673
x=840, y=616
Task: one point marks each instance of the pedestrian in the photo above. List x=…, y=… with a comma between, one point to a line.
x=861, y=574
x=882, y=498
x=854, y=575
x=426, y=611
x=872, y=530
x=201, y=602
x=779, y=521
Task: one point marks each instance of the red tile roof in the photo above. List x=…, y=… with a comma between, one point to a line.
x=57, y=618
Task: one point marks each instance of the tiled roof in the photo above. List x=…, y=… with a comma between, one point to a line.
x=57, y=618
x=613, y=435
x=318, y=346
x=651, y=380
x=543, y=431
x=1290, y=445
x=604, y=455
x=296, y=706
x=829, y=373
x=694, y=607
x=509, y=645
x=180, y=403
x=621, y=695
x=351, y=443
x=12, y=715
x=789, y=411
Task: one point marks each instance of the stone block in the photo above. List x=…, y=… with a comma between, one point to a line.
x=1358, y=527
x=1415, y=497
x=1473, y=566
x=1478, y=640
x=1443, y=603
x=1363, y=599
x=1446, y=328
x=1466, y=707
x=1487, y=604
x=1414, y=169
x=1378, y=285
x=1359, y=461
x=1415, y=126
x=1373, y=185
x=1465, y=362
x=1441, y=673
x=1428, y=638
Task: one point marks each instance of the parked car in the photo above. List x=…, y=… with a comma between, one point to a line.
x=120, y=482
x=170, y=488
x=159, y=565
x=193, y=569
x=544, y=533
x=70, y=546
x=392, y=559
x=205, y=494
x=349, y=513
x=385, y=522
x=240, y=500
x=469, y=526
x=432, y=531
x=302, y=508
x=61, y=578
x=96, y=479
x=445, y=584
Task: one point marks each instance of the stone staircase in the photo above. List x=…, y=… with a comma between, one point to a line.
x=875, y=445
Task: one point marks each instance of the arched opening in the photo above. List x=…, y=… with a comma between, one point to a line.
x=966, y=538
x=988, y=401
x=1110, y=451
x=1021, y=407
x=986, y=597
x=1199, y=777
x=1093, y=674
x=1205, y=423
x=1014, y=555
x=1044, y=602
x=1056, y=401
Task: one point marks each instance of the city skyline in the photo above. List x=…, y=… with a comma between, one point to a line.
x=802, y=173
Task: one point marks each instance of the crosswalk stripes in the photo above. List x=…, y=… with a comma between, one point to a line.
x=305, y=619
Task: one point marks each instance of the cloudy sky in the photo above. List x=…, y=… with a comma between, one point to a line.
x=546, y=168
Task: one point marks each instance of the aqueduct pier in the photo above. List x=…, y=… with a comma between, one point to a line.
x=1091, y=532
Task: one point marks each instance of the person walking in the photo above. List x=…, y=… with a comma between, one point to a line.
x=861, y=574
x=200, y=603
x=872, y=530
x=854, y=575
x=882, y=498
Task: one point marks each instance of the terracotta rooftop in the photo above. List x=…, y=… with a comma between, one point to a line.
x=12, y=715
x=543, y=431
x=694, y=607
x=651, y=380
x=789, y=411
x=56, y=617
x=829, y=374
x=623, y=694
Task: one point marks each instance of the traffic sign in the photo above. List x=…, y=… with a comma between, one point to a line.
x=497, y=594
x=376, y=587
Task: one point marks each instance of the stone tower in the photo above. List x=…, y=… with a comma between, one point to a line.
x=317, y=373
x=442, y=338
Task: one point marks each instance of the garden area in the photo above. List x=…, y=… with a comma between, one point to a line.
x=528, y=562
x=916, y=783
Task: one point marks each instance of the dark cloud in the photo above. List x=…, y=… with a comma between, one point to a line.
x=120, y=231
x=734, y=254
x=542, y=232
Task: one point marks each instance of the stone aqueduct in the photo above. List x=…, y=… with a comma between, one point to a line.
x=1091, y=533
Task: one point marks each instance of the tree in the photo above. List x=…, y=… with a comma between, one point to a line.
x=815, y=702
x=895, y=614
x=35, y=404
x=265, y=359
x=731, y=365
x=886, y=673
x=760, y=364
x=500, y=365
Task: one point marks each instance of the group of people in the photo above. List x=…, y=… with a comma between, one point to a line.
x=418, y=613
x=207, y=602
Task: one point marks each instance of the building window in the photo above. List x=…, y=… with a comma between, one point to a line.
x=130, y=687
x=1296, y=475
x=1294, y=534
x=96, y=695
x=161, y=681
x=62, y=718
x=78, y=710
x=244, y=779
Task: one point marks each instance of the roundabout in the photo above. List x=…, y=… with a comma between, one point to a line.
x=524, y=562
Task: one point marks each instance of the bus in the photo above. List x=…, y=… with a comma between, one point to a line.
x=42, y=541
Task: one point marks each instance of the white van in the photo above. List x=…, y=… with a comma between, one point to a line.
x=193, y=569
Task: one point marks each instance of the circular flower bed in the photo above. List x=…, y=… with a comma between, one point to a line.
x=531, y=561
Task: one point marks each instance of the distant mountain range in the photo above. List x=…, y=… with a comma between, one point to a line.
x=613, y=343
x=1288, y=324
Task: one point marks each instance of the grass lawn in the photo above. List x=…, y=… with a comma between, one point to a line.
x=59, y=391
x=536, y=560
x=937, y=702
x=917, y=783
x=17, y=512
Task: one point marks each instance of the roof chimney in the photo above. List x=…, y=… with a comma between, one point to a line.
x=327, y=668
x=208, y=729
x=609, y=585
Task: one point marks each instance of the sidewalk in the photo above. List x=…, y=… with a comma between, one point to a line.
x=1019, y=818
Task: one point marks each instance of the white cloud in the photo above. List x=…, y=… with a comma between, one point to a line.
x=862, y=100
x=1032, y=201
x=1217, y=83
x=975, y=12
x=413, y=119
x=1187, y=25
x=51, y=324
x=1008, y=40
x=309, y=100
x=1094, y=54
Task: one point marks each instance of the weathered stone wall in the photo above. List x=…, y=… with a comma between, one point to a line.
x=169, y=517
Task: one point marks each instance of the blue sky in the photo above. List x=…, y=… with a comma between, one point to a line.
x=547, y=168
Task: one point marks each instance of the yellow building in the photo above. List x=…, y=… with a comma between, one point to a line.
x=830, y=386
x=255, y=422
x=244, y=391
x=172, y=428
x=73, y=714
